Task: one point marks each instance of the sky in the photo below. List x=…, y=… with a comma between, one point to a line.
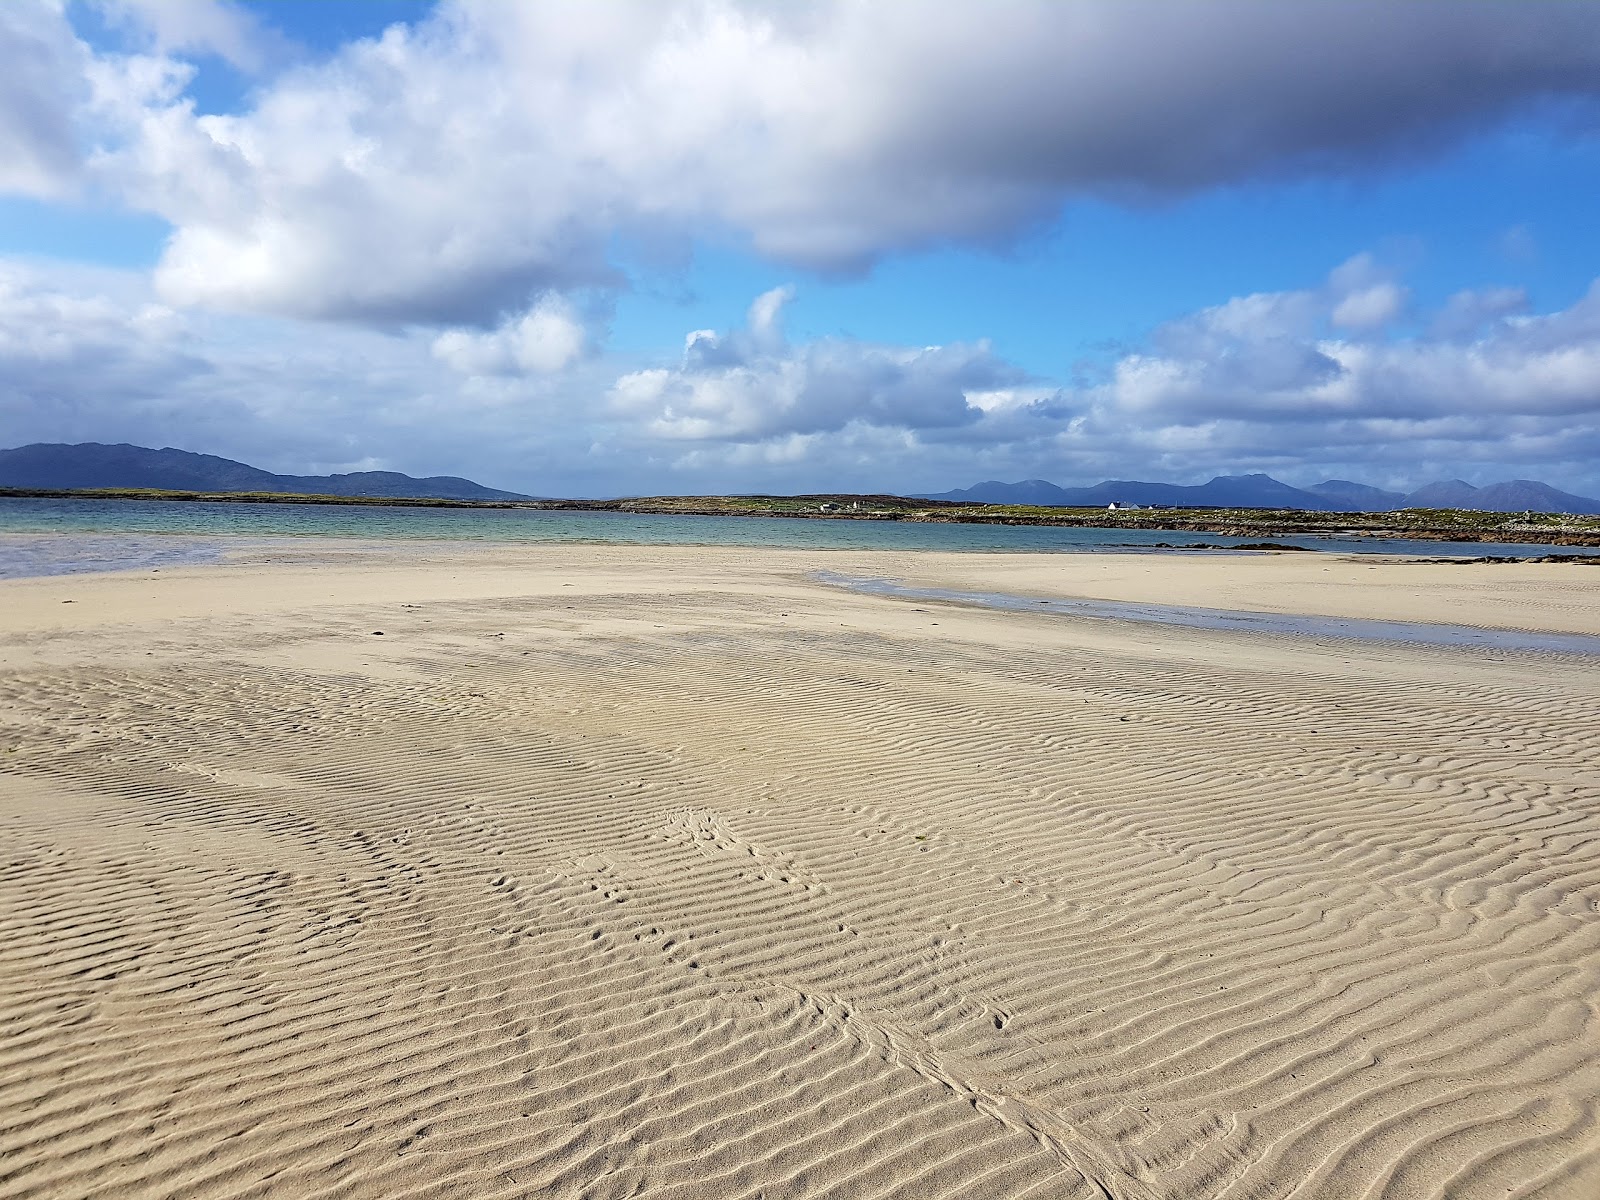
x=625, y=247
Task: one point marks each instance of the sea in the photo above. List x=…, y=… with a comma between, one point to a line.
x=70, y=536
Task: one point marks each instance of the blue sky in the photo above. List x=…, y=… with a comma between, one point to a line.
x=704, y=246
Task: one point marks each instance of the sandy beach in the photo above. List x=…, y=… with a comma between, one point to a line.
x=602, y=871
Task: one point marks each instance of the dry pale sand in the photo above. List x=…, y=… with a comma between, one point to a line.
x=670, y=872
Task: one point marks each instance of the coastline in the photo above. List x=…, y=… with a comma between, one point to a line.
x=574, y=870
x=1441, y=525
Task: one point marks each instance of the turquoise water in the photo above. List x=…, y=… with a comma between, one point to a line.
x=115, y=534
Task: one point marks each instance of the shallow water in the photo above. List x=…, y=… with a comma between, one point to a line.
x=1416, y=633
x=209, y=526
x=28, y=555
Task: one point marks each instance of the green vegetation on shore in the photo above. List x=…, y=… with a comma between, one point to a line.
x=1445, y=524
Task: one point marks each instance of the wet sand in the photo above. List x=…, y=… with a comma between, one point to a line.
x=605, y=871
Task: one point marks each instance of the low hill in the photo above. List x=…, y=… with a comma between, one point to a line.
x=55, y=465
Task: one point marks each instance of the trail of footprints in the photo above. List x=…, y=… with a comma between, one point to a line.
x=734, y=911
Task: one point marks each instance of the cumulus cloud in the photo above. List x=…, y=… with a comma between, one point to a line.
x=449, y=170
x=1482, y=388
x=1298, y=359
x=1296, y=388
x=546, y=338
x=1284, y=381
x=750, y=385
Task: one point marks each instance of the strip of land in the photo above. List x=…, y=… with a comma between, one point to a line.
x=1460, y=525
x=596, y=871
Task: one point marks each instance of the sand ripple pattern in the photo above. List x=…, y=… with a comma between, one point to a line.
x=719, y=906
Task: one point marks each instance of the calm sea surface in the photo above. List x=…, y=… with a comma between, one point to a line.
x=105, y=535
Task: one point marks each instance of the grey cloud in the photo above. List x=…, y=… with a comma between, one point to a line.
x=1469, y=314
x=56, y=344
x=450, y=171
x=1153, y=95
x=92, y=356
x=42, y=85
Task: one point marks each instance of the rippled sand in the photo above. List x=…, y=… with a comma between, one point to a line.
x=670, y=872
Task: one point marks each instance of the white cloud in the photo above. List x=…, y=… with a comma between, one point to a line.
x=751, y=386
x=766, y=316
x=1484, y=384
x=1262, y=382
x=1370, y=308
x=448, y=172
x=228, y=30
x=547, y=338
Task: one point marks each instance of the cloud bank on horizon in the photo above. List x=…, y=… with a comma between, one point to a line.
x=408, y=249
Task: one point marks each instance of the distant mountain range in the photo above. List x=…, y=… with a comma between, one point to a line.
x=1263, y=491
x=57, y=466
